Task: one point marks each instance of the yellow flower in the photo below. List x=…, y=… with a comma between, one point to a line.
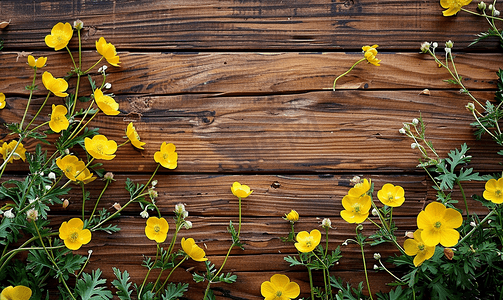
x=494, y=190
x=416, y=247
x=279, y=288
x=36, y=63
x=292, y=216
x=370, y=53
x=194, y=251
x=57, y=86
x=60, y=35
x=360, y=188
x=73, y=234
x=167, y=156
x=438, y=223
x=19, y=292
x=356, y=210
x=107, y=104
x=108, y=51
x=133, y=136
x=306, y=242
x=74, y=169
x=157, y=229
x=391, y=195
x=453, y=6
x=20, y=152
x=100, y=147
x=58, y=120
x=2, y=100
x=240, y=191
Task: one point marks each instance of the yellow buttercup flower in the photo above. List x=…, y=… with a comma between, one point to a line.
x=57, y=86
x=370, y=53
x=19, y=292
x=36, y=63
x=194, y=251
x=279, y=288
x=494, y=190
x=292, y=216
x=416, y=247
x=108, y=51
x=73, y=234
x=74, y=169
x=240, y=191
x=438, y=224
x=133, y=136
x=360, y=188
x=307, y=242
x=391, y=195
x=107, y=104
x=2, y=100
x=356, y=210
x=157, y=229
x=60, y=35
x=58, y=120
x=167, y=156
x=6, y=149
x=100, y=147
x=453, y=6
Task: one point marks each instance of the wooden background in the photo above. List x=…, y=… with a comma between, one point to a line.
x=243, y=89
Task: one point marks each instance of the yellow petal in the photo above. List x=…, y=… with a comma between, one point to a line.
x=411, y=247
x=291, y=290
x=279, y=280
x=84, y=236
x=267, y=289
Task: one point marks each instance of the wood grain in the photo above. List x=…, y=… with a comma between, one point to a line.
x=242, y=24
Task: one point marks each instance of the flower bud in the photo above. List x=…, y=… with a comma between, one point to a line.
x=108, y=85
x=490, y=7
x=413, y=145
x=109, y=176
x=187, y=224
x=496, y=13
x=355, y=180
x=415, y=121
x=425, y=47
x=376, y=267
x=409, y=234
x=377, y=256
x=117, y=206
x=402, y=131
x=435, y=45
x=359, y=227
x=152, y=194
x=144, y=214
x=449, y=44
x=78, y=24
x=481, y=6
x=66, y=202
x=292, y=216
x=470, y=106
x=449, y=254
x=326, y=223
x=375, y=213
x=32, y=214
x=51, y=175
x=179, y=208
x=9, y=214
x=154, y=183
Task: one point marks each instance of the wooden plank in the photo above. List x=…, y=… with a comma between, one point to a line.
x=320, y=132
x=235, y=74
x=242, y=24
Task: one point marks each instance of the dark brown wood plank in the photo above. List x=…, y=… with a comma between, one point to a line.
x=254, y=73
x=242, y=24
x=310, y=132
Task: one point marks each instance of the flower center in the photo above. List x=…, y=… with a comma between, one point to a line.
x=278, y=294
x=157, y=228
x=356, y=208
x=437, y=224
x=420, y=247
x=74, y=236
x=99, y=148
x=498, y=193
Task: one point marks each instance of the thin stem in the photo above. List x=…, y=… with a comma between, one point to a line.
x=169, y=275
x=92, y=67
x=311, y=282
x=52, y=260
x=99, y=198
x=476, y=227
x=481, y=15
x=333, y=88
x=464, y=196
x=239, y=207
x=365, y=269
x=39, y=110
x=148, y=272
x=83, y=198
x=76, y=93
x=73, y=60
x=29, y=99
x=394, y=276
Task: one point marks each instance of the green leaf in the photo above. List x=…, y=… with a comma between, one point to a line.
x=89, y=287
x=122, y=284
x=174, y=291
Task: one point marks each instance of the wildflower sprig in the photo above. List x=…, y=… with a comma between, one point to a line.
x=369, y=55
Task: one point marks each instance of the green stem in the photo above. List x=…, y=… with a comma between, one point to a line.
x=76, y=94
x=394, y=276
x=239, y=207
x=464, y=196
x=311, y=282
x=218, y=272
x=73, y=60
x=169, y=275
x=481, y=15
x=83, y=198
x=365, y=269
x=476, y=227
x=39, y=110
x=333, y=88
x=29, y=100
x=92, y=67
x=99, y=198
x=148, y=272
x=53, y=261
